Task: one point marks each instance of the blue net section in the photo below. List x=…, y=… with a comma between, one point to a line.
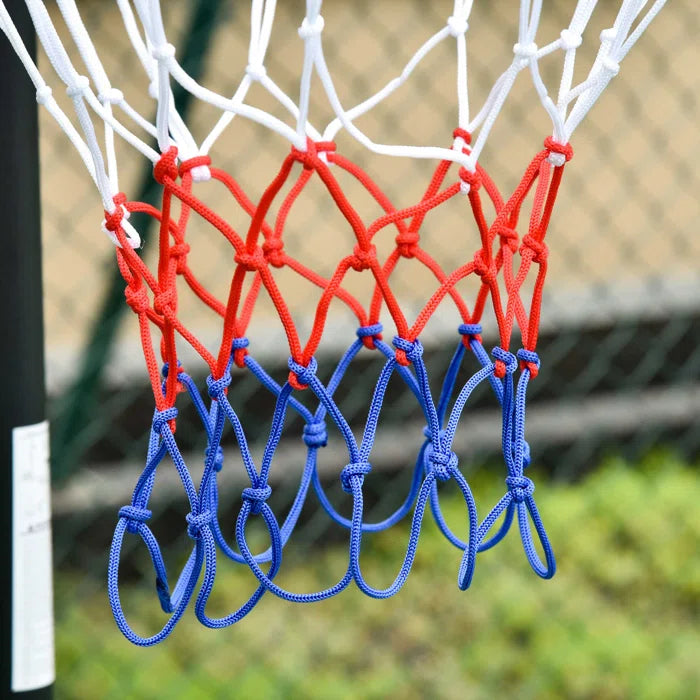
x=435, y=462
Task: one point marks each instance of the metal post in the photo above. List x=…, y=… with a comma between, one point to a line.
x=26, y=602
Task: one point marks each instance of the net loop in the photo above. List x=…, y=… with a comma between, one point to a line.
x=198, y=166
x=353, y=475
x=162, y=420
x=362, y=259
x=530, y=360
x=564, y=151
x=315, y=434
x=368, y=334
x=251, y=261
x=217, y=387
x=407, y=243
x=114, y=219
x=457, y=25
x=521, y=487
x=239, y=346
x=505, y=362
x=137, y=297
x=134, y=516
x=469, y=332
x=218, y=457
x=195, y=523
x=508, y=236
x=273, y=251
x=486, y=270
x=442, y=464
x=256, y=497
x=164, y=300
x=299, y=376
x=570, y=39
x=539, y=250
x=407, y=351
x=310, y=29
x=179, y=252
x=165, y=171
x=470, y=180
x=460, y=133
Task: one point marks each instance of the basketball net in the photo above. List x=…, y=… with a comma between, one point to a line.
x=509, y=257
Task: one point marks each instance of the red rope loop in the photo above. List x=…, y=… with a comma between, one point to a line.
x=179, y=252
x=137, y=297
x=166, y=167
x=251, y=262
x=113, y=221
x=463, y=134
x=539, y=248
x=195, y=162
x=564, y=149
x=407, y=243
x=363, y=259
x=473, y=179
x=163, y=301
x=509, y=236
x=487, y=271
x=273, y=250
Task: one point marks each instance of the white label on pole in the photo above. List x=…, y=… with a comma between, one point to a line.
x=33, y=663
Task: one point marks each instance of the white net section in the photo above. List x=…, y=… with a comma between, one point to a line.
x=100, y=105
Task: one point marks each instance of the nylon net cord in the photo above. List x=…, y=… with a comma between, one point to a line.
x=503, y=261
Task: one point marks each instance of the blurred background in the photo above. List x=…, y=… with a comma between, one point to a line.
x=613, y=420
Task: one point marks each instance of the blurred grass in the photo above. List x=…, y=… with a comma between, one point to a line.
x=619, y=620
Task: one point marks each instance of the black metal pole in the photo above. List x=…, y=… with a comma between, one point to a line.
x=26, y=597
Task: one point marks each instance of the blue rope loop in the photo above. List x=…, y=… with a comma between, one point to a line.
x=195, y=523
x=133, y=515
x=413, y=350
x=256, y=497
x=372, y=331
x=440, y=462
x=162, y=418
x=315, y=434
x=218, y=457
x=240, y=343
x=520, y=487
x=529, y=356
x=354, y=473
x=217, y=387
x=470, y=329
x=507, y=358
x=304, y=375
x=166, y=366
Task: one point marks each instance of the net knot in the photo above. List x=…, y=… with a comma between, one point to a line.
x=442, y=464
x=525, y=52
x=315, y=434
x=407, y=351
x=538, y=248
x=470, y=180
x=570, y=39
x=163, y=418
x=368, y=334
x=163, y=52
x=256, y=71
x=300, y=376
x=460, y=133
x=180, y=251
x=487, y=271
x=198, y=166
x=79, y=87
x=251, y=262
x=559, y=153
x=218, y=457
x=111, y=96
x=509, y=237
x=311, y=29
x=273, y=250
x=217, y=387
x=407, y=243
x=457, y=25
x=471, y=331
x=529, y=359
x=240, y=350
x=363, y=259
x=137, y=298
x=195, y=523
x=134, y=516
x=520, y=487
x=354, y=472
x=506, y=363
x=166, y=167
x=163, y=301
x=43, y=94
x=256, y=497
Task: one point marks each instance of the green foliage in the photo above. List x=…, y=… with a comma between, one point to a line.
x=619, y=620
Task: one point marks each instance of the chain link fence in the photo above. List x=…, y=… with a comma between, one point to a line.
x=620, y=347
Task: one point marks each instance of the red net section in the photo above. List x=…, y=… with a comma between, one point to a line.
x=507, y=251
